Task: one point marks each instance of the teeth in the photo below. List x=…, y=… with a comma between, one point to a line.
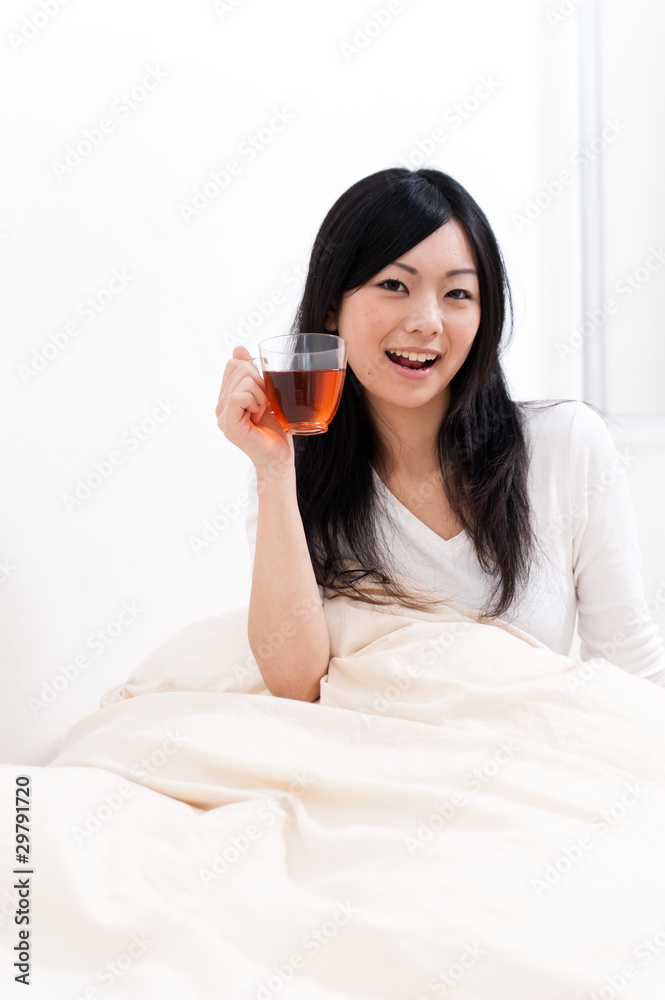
x=412, y=356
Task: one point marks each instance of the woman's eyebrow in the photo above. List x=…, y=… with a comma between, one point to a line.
x=448, y=274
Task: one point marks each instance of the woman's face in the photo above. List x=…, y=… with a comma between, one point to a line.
x=417, y=304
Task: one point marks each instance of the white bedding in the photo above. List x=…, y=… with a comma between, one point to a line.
x=463, y=813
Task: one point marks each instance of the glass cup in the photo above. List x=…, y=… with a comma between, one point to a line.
x=304, y=376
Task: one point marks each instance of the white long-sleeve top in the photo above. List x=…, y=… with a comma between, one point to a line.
x=588, y=564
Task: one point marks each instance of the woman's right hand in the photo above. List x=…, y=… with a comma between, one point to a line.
x=246, y=419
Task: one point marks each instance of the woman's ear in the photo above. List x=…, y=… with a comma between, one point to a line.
x=330, y=321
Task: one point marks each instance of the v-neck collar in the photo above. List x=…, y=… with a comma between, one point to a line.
x=415, y=524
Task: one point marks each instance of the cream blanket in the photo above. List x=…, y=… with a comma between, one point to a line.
x=463, y=813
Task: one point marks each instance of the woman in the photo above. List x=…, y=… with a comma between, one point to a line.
x=520, y=510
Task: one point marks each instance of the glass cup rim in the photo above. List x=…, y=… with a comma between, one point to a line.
x=282, y=336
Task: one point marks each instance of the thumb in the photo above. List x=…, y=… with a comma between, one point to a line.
x=241, y=353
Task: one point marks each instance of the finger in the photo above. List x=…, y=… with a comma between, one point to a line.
x=241, y=353
x=256, y=418
x=239, y=403
x=229, y=384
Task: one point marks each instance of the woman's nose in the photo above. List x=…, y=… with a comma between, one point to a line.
x=425, y=315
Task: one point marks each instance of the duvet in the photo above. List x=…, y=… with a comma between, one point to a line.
x=463, y=813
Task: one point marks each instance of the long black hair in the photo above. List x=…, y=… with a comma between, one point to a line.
x=481, y=443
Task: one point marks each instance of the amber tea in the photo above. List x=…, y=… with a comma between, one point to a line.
x=305, y=398
x=304, y=376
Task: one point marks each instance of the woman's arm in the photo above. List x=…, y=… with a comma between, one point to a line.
x=287, y=628
x=607, y=565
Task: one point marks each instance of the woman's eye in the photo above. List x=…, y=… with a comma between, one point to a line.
x=394, y=285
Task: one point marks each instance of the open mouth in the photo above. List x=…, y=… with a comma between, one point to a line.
x=414, y=359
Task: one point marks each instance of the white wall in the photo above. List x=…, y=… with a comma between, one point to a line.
x=160, y=338
x=634, y=210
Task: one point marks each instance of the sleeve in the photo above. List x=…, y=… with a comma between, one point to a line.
x=613, y=622
x=251, y=519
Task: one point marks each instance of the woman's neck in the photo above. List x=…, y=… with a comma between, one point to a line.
x=407, y=441
x=407, y=472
